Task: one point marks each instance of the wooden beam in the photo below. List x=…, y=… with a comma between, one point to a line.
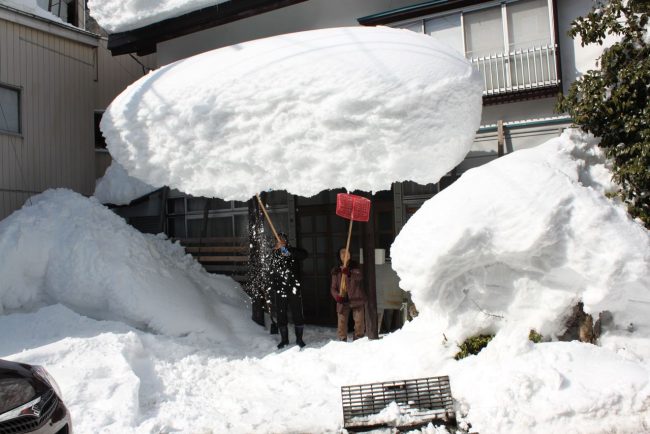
x=501, y=139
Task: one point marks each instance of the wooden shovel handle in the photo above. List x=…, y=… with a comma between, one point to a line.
x=344, y=288
x=268, y=219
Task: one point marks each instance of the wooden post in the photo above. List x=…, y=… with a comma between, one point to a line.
x=501, y=139
x=368, y=241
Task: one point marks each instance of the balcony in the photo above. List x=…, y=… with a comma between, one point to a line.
x=531, y=71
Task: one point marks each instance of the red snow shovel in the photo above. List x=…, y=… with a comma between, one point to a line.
x=353, y=208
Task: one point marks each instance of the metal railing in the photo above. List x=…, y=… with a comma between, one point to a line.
x=523, y=69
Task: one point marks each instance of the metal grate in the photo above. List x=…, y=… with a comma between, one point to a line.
x=25, y=424
x=423, y=400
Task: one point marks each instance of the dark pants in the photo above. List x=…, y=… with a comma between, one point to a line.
x=284, y=302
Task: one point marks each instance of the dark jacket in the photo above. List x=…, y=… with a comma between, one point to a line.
x=356, y=295
x=284, y=271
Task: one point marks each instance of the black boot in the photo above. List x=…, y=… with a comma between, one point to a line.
x=299, y=340
x=284, y=334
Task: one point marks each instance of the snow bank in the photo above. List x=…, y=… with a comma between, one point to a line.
x=64, y=248
x=524, y=238
x=116, y=379
x=120, y=16
x=32, y=7
x=346, y=107
x=116, y=187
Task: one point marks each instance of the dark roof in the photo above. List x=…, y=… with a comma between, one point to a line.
x=415, y=11
x=144, y=39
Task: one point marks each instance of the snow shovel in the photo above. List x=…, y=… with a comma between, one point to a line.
x=283, y=249
x=351, y=207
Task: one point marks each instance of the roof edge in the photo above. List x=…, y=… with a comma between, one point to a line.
x=144, y=40
x=415, y=11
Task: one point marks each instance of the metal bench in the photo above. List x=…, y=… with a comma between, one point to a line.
x=418, y=402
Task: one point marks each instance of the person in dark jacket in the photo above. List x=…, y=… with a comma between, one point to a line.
x=285, y=289
x=354, y=299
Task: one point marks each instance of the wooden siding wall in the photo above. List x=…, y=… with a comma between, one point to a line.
x=56, y=148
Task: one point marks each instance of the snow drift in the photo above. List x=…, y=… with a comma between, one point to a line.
x=525, y=237
x=64, y=248
x=357, y=108
x=118, y=188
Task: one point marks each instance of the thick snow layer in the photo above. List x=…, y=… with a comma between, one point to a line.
x=32, y=7
x=68, y=250
x=116, y=379
x=118, y=188
x=120, y=16
x=64, y=248
x=521, y=240
x=348, y=107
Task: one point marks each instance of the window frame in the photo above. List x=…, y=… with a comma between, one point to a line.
x=490, y=4
x=19, y=109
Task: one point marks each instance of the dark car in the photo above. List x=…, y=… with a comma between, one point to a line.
x=30, y=401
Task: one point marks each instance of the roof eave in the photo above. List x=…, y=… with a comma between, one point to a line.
x=144, y=40
x=415, y=11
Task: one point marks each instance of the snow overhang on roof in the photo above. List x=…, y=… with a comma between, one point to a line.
x=415, y=11
x=143, y=40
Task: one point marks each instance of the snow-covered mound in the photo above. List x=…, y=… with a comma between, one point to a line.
x=525, y=238
x=347, y=107
x=118, y=188
x=120, y=16
x=64, y=248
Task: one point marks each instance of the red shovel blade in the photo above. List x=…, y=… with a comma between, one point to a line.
x=353, y=207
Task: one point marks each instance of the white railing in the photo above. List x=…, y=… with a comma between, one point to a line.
x=528, y=68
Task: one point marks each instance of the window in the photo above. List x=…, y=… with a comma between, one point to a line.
x=511, y=44
x=483, y=32
x=64, y=9
x=446, y=29
x=10, y=109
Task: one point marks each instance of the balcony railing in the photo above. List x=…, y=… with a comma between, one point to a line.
x=524, y=69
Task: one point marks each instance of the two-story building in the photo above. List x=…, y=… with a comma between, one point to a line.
x=56, y=77
x=520, y=48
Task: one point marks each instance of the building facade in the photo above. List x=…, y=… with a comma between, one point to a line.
x=520, y=48
x=54, y=77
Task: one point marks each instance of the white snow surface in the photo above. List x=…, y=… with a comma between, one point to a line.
x=117, y=378
x=120, y=16
x=354, y=107
x=32, y=7
x=64, y=248
x=519, y=241
x=118, y=188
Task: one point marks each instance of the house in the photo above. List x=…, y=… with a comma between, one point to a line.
x=520, y=48
x=56, y=76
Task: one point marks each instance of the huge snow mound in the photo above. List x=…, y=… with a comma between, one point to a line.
x=116, y=187
x=64, y=248
x=522, y=239
x=123, y=15
x=347, y=107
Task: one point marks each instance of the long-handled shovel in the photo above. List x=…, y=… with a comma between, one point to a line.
x=283, y=249
x=354, y=208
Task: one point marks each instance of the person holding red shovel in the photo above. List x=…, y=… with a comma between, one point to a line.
x=347, y=280
x=354, y=298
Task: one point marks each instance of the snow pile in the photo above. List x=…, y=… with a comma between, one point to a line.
x=346, y=107
x=118, y=188
x=68, y=249
x=32, y=7
x=521, y=240
x=120, y=16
